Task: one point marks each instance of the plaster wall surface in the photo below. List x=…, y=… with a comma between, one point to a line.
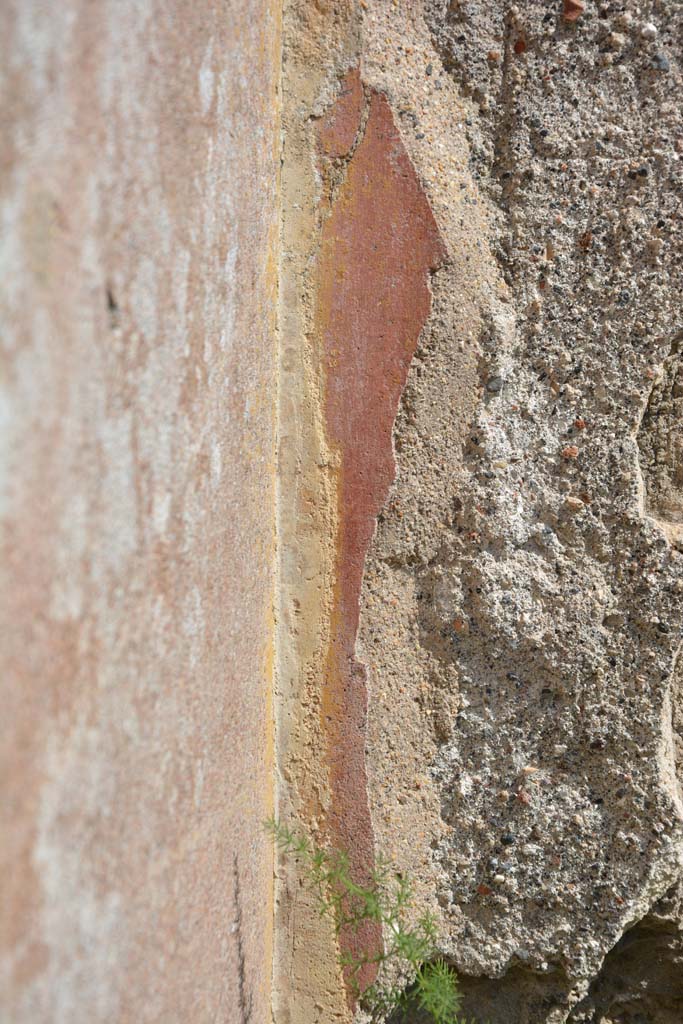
x=138, y=203
x=519, y=620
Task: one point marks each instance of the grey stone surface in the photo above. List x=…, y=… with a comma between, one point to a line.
x=535, y=563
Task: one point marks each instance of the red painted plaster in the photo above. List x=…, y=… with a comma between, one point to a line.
x=339, y=127
x=378, y=245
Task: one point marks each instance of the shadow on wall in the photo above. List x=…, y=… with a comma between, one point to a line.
x=641, y=981
x=660, y=440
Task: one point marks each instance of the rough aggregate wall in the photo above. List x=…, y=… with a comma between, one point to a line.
x=548, y=601
x=520, y=614
x=138, y=296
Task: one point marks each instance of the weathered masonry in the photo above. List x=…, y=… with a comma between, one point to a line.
x=342, y=480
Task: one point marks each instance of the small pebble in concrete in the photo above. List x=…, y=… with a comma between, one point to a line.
x=661, y=62
x=573, y=9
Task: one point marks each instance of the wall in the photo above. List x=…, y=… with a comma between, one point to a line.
x=138, y=299
x=342, y=357
x=480, y=610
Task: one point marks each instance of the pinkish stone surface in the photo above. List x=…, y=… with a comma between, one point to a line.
x=139, y=196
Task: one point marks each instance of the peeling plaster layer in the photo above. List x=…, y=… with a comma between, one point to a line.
x=138, y=243
x=378, y=245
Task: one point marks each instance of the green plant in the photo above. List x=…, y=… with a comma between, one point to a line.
x=385, y=900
